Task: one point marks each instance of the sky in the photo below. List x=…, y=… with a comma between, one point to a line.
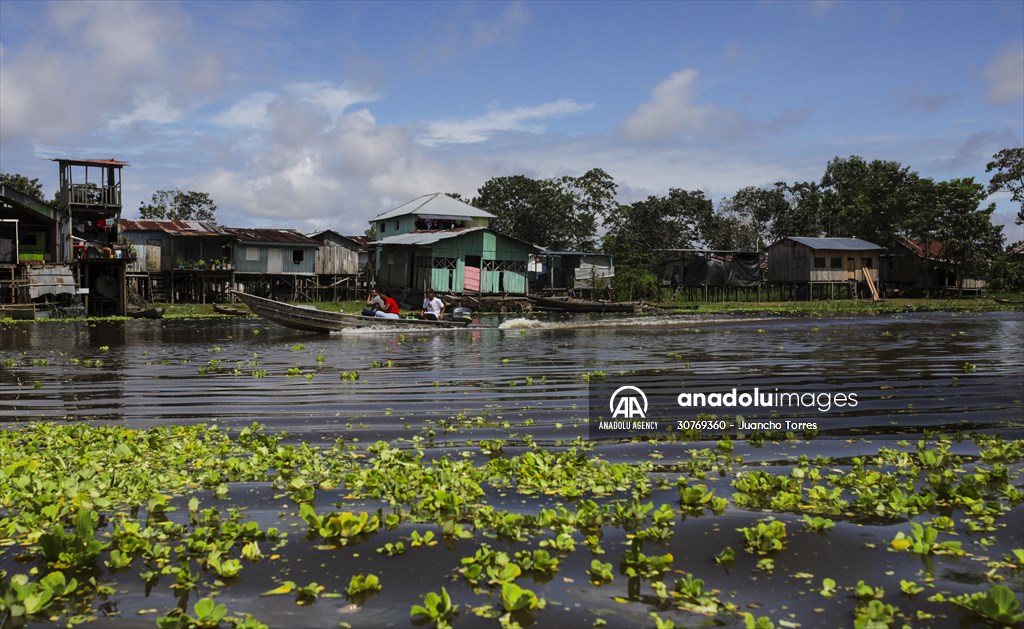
x=322, y=115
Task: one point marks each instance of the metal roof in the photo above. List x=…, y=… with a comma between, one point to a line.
x=270, y=236
x=571, y=253
x=430, y=237
x=437, y=204
x=324, y=234
x=203, y=228
x=935, y=251
x=840, y=244
x=90, y=162
x=174, y=227
x=427, y=237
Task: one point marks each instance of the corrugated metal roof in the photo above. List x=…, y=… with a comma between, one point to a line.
x=90, y=162
x=572, y=253
x=436, y=204
x=426, y=237
x=323, y=236
x=269, y=235
x=841, y=244
x=935, y=248
x=203, y=228
x=362, y=241
x=175, y=227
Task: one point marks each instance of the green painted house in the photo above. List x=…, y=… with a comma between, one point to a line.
x=442, y=243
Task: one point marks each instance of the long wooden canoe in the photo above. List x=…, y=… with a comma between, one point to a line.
x=312, y=320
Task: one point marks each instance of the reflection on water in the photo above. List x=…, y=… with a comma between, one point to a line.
x=910, y=370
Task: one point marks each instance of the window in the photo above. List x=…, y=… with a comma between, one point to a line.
x=298, y=255
x=252, y=254
x=819, y=263
x=866, y=262
x=396, y=225
x=383, y=227
x=836, y=263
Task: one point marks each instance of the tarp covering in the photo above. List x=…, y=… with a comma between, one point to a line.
x=738, y=269
x=50, y=280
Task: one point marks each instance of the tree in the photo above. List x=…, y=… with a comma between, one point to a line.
x=593, y=199
x=639, y=233
x=179, y=205
x=867, y=200
x=521, y=208
x=747, y=220
x=560, y=213
x=371, y=232
x=21, y=183
x=1009, y=167
x=636, y=232
x=969, y=239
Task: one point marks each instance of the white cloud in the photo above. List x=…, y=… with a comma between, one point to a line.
x=671, y=112
x=249, y=112
x=503, y=30
x=255, y=110
x=480, y=128
x=153, y=106
x=1005, y=75
x=100, y=63
x=311, y=171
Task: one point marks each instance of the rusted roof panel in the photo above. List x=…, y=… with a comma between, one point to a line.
x=175, y=227
x=90, y=162
x=936, y=249
x=266, y=235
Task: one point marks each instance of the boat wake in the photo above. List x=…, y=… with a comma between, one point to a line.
x=523, y=323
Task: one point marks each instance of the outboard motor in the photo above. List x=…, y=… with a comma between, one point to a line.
x=461, y=313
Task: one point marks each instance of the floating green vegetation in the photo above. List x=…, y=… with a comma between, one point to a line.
x=78, y=499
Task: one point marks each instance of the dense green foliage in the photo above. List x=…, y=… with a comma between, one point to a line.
x=179, y=205
x=879, y=201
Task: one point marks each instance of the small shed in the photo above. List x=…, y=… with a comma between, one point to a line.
x=913, y=266
x=807, y=262
x=578, y=270
x=337, y=266
x=336, y=254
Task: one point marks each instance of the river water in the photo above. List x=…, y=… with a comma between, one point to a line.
x=527, y=379
x=911, y=370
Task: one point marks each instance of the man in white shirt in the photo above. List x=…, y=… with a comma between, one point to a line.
x=433, y=308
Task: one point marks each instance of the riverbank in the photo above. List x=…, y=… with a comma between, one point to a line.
x=739, y=308
x=847, y=306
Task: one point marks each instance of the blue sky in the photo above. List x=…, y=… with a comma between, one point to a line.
x=324, y=114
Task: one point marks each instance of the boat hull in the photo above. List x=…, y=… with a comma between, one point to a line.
x=312, y=320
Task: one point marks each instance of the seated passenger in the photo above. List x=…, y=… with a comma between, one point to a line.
x=433, y=308
x=373, y=303
x=390, y=310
